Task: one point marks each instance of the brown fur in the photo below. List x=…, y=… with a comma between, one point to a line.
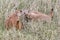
x=34, y=15
x=13, y=21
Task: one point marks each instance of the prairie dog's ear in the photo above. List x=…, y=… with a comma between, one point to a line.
x=15, y=8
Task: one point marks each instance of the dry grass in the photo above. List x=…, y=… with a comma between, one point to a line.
x=34, y=30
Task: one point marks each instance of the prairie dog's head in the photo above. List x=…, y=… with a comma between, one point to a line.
x=18, y=12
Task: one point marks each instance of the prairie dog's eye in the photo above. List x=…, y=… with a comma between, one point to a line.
x=20, y=10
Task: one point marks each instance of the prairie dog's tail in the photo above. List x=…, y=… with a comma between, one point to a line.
x=51, y=13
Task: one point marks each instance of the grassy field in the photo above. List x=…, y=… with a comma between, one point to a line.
x=34, y=30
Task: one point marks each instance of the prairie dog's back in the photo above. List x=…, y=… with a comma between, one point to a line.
x=34, y=15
